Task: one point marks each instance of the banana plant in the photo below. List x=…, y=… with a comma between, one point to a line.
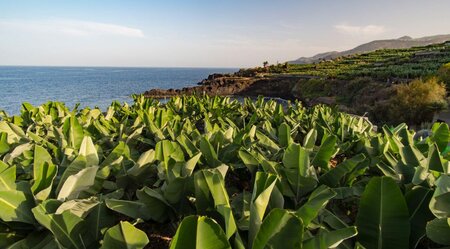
x=250, y=174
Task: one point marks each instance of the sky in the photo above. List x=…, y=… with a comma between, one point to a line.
x=203, y=33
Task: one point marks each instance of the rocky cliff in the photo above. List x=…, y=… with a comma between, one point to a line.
x=231, y=84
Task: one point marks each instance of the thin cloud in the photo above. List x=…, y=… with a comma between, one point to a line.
x=368, y=30
x=70, y=27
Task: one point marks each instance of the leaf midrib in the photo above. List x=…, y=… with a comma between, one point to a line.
x=15, y=208
x=380, y=218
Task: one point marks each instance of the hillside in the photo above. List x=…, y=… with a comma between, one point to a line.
x=400, y=43
x=384, y=64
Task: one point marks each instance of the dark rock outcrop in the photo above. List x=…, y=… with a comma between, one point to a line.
x=226, y=84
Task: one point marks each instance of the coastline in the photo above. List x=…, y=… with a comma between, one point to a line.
x=274, y=86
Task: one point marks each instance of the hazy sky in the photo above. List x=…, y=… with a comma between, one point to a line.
x=226, y=33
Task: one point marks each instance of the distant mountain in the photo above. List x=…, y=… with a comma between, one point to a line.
x=402, y=42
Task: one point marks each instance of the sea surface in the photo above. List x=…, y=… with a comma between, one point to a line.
x=89, y=86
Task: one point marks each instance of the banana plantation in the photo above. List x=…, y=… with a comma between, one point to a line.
x=213, y=172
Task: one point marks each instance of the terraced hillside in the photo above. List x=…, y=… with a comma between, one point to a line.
x=399, y=43
x=381, y=64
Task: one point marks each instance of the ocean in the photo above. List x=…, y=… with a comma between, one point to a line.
x=89, y=86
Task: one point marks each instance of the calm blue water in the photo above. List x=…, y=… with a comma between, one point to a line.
x=90, y=86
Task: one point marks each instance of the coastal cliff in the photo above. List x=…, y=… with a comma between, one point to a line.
x=233, y=84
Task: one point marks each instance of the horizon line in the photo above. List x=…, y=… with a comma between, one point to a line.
x=97, y=66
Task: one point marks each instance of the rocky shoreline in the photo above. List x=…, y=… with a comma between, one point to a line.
x=277, y=86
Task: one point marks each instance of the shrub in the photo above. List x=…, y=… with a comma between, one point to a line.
x=444, y=74
x=418, y=101
x=316, y=88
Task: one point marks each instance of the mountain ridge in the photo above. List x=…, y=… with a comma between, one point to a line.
x=399, y=43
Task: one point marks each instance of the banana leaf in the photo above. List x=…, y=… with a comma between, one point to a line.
x=383, y=216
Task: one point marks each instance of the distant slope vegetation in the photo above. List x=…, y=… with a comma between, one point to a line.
x=383, y=64
x=400, y=43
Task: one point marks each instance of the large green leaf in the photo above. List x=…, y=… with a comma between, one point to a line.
x=87, y=156
x=156, y=205
x=121, y=149
x=165, y=150
x=7, y=177
x=411, y=156
x=4, y=145
x=73, y=132
x=88, y=150
x=99, y=218
x=187, y=144
x=67, y=228
x=434, y=160
x=101, y=176
x=440, y=202
x=284, y=135
x=199, y=233
x=441, y=135
x=326, y=150
x=16, y=205
x=15, y=133
x=249, y=160
x=316, y=202
x=333, y=177
x=210, y=189
x=133, y=209
x=36, y=240
x=300, y=175
x=383, y=216
x=126, y=236
x=262, y=190
x=142, y=163
x=22, y=153
x=280, y=229
x=418, y=199
x=189, y=166
x=74, y=167
x=329, y=239
x=80, y=207
x=267, y=142
x=296, y=157
x=310, y=140
x=77, y=183
x=209, y=153
x=438, y=230
x=44, y=172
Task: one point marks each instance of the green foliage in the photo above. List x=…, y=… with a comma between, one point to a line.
x=199, y=232
x=280, y=229
x=417, y=101
x=444, y=74
x=383, y=217
x=236, y=175
x=124, y=235
x=314, y=88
